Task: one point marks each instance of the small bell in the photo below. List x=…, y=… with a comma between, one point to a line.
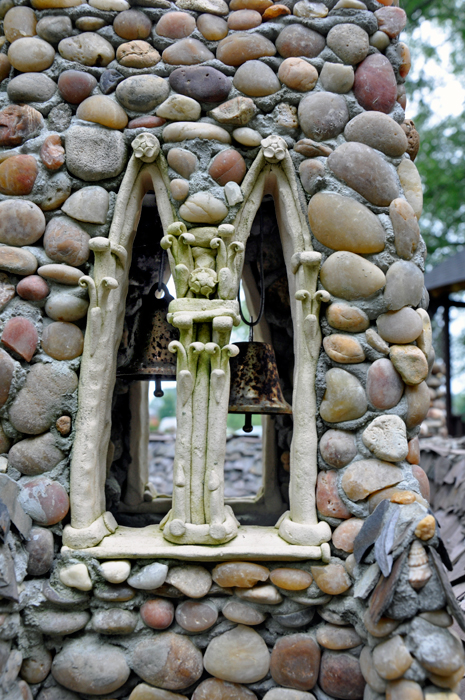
x=255, y=386
x=152, y=360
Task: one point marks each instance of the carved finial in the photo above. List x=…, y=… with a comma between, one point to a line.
x=274, y=148
x=146, y=147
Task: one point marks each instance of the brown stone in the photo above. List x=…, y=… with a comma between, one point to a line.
x=40, y=548
x=241, y=574
x=238, y=48
x=211, y=27
x=132, y=24
x=363, y=169
x=404, y=690
x=20, y=336
x=35, y=455
x=63, y=425
x=375, y=85
x=410, y=362
x=174, y=25
x=7, y=368
x=52, y=153
x=344, y=398
x=349, y=42
x=196, y=617
x=342, y=223
x=148, y=692
x=291, y=579
x=102, y=110
x=18, y=175
x=214, y=689
x=345, y=534
x=31, y=54
x=340, y=676
x=275, y=11
x=167, y=660
x=45, y=501
x=5, y=66
x=311, y=175
x=308, y=147
x=338, y=448
x=349, y=276
x=137, y=54
x=328, y=501
x=379, y=131
x=87, y=48
x=323, y=115
x=413, y=138
x=336, y=638
x=147, y=122
x=403, y=326
x=391, y=20
x=17, y=261
x=19, y=22
x=65, y=241
x=187, y=52
x=347, y=318
x=18, y=123
x=184, y=162
x=62, y=341
x=157, y=613
x=258, y=5
x=200, y=83
x=331, y=578
x=423, y=481
x=114, y=621
x=35, y=668
x=362, y=478
x=295, y=660
x=343, y=349
x=256, y=79
x=391, y=659
x=5, y=442
x=384, y=385
x=244, y=19
x=413, y=456
x=228, y=166
x=297, y=40
x=406, y=229
x=75, y=85
x=21, y=222
x=238, y=111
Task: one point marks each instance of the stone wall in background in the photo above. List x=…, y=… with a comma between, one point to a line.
x=212, y=81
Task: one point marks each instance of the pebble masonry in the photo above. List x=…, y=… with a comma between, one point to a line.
x=214, y=107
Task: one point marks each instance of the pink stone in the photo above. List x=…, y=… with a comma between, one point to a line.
x=175, y=25
x=295, y=661
x=147, y=122
x=7, y=368
x=52, y=152
x=338, y=448
x=296, y=40
x=422, y=478
x=75, y=85
x=238, y=48
x=18, y=123
x=345, y=534
x=20, y=335
x=33, y=288
x=196, y=617
x=65, y=241
x=18, y=175
x=341, y=677
x=391, y=20
x=375, y=85
x=384, y=386
x=157, y=613
x=328, y=500
x=132, y=24
x=244, y=19
x=228, y=166
x=45, y=501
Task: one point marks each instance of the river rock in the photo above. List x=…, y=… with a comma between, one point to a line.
x=187, y=52
x=203, y=208
x=336, y=638
x=87, y=48
x=379, y=131
x=338, y=448
x=214, y=689
x=349, y=42
x=62, y=341
x=295, y=661
x=238, y=656
x=196, y=617
x=115, y=571
x=247, y=137
x=228, y=166
x=44, y=500
x=5, y=66
x=244, y=614
x=256, y=79
x=263, y=595
x=142, y=93
x=404, y=285
x=291, y=579
x=18, y=123
x=61, y=623
x=410, y=362
x=211, y=27
x=337, y=78
x=148, y=692
x=238, y=111
x=344, y=398
x=17, y=261
x=365, y=171
x=109, y=80
x=93, y=153
x=297, y=74
x=323, y=115
x=238, y=48
x=342, y=223
x=18, y=174
x=7, y=369
x=311, y=174
x=30, y=87
x=20, y=335
x=391, y=659
x=65, y=241
x=114, y=593
x=331, y=579
x=297, y=40
x=31, y=54
x=168, y=661
x=54, y=29
x=384, y=386
x=36, y=455
x=90, y=24
x=88, y=204
x=362, y=478
x=350, y=276
x=375, y=85
x=391, y=20
x=147, y=122
x=87, y=667
x=411, y=184
x=437, y=649
x=184, y=162
x=21, y=222
x=19, y=22
x=149, y=577
x=157, y=613
x=367, y=668
x=102, y=110
x=132, y=24
x=36, y=667
x=66, y=307
x=344, y=317
x=404, y=690
x=52, y=153
x=287, y=694
x=340, y=676
x=344, y=536
x=179, y=108
x=418, y=401
x=114, y=621
x=386, y=437
x=343, y=349
x=36, y=405
x=192, y=580
x=241, y=574
x=400, y=326
x=406, y=229
x=328, y=501
x=201, y=83
x=63, y=274
x=75, y=85
x=244, y=19
x=175, y=25
x=40, y=548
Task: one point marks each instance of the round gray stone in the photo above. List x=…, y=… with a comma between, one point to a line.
x=88, y=667
x=54, y=29
x=94, y=153
x=142, y=93
x=323, y=115
x=36, y=455
x=31, y=87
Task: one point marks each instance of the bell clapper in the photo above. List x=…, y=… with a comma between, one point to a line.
x=248, y=423
x=158, y=390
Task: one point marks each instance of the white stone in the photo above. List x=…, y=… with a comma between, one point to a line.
x=386, y=437
x=287, y=694
x=247, y=136
x=66, y=307
x=238, y=656
x=181, y=131
x=115, y=571
x=411, y=184
x=179, y=108
x=266, y=595
x=3, y=465
x=203, y=208
x=88, y=204
x=193, y=580
x=233, y=193
x=380, y=40
x=110, y=5
x=76, y=576
x=150, y=576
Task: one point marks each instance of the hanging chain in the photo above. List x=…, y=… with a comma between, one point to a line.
x=161, y=273
x=253, y=323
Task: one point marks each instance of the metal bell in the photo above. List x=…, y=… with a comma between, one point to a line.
x=255, y=386
x=152, y=361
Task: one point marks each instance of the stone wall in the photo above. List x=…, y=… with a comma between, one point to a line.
x=219, y=87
